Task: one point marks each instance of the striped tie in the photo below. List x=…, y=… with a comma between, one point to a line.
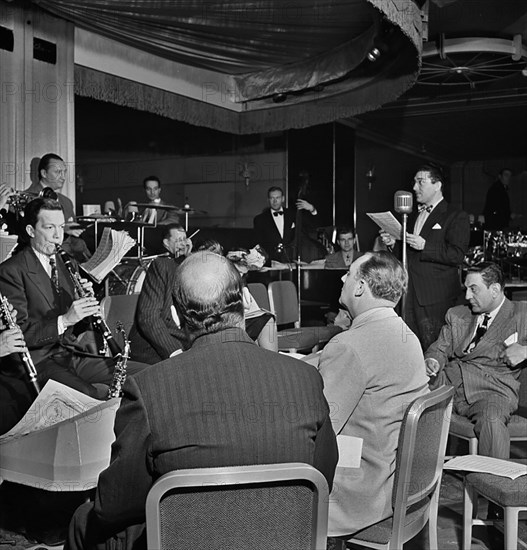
x=480, y=332
x=54, y=273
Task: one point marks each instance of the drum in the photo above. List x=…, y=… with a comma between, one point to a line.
x=128, y=277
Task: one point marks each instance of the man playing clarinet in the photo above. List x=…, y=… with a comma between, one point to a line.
x=50, y=313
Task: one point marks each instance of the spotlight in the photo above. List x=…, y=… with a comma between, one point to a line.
x=374, y=54
x=279, y=98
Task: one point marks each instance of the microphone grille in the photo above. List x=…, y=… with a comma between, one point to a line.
x=403, y=202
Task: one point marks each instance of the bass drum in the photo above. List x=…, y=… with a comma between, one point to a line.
x=135, y=284
x=128, y=278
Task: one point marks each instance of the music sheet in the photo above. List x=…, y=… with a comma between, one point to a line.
x=487, y=465
x=387, y=222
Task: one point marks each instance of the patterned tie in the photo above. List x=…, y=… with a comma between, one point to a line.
x=348, y=259
x=54, y=273
x=480, y=332
x=422, y=207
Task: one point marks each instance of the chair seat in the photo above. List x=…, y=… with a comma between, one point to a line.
x=381, y=533
x=502, y=490
x=463, y=427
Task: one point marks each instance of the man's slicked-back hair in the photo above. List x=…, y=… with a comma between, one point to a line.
x=151, y=178
x=46, y=160
x=344, y=230
x=31, y=212
x=208, y=294
x=385, y=275
x=168, y=228
x=274, y=188
x=490, y=273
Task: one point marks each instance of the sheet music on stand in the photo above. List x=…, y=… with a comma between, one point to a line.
x=387, y=222
x=112, y=247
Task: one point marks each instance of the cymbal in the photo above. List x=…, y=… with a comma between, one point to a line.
x=190, y=211
x=156, y=206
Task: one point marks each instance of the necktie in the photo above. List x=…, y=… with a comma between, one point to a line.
x=278, y=213
x=348, y=259
x=480, y=332
x=423, y=207
x=54, y=273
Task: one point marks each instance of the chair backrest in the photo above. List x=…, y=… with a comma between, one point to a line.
x=262, y=507
x=120, y=307
x=284, y=301
x=259, y=293
x=420, y=453
x=522, y=394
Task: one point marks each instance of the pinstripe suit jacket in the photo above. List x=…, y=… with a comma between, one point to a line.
x=223, y=402
x=65, y=202
x=154, y=334
x=481, y=369
x=434, y=270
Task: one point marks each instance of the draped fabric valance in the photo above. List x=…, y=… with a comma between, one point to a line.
x=284, y=63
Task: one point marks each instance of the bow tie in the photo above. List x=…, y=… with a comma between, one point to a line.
x=278, y=213
x=423, y=208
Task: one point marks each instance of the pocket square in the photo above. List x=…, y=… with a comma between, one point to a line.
x=436, y=226
x=512, y=339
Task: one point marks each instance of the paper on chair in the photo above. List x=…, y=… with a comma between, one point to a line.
x=487, y=465
x=350, y=451
x=387, y=222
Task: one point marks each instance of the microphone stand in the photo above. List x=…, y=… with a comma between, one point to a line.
x=405, y=264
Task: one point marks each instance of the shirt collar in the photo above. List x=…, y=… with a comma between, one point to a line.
x=492, y=314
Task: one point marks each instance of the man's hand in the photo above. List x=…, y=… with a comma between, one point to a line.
x=415, y=241
x=514, y=354
x=87, y=286
x=432, y=367
x=74, y=232
x=301, y=204
x=12, y=341
x=80, y=309
x=386, y=238
x=5, y=193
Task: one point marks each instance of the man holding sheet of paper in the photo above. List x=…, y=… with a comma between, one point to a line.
x=437, y=244
x=481, y=351
x=371, y=372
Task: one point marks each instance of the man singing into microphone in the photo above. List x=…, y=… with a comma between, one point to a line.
x=437, y=244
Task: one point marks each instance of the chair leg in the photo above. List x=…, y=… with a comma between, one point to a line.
x=511, y=528
x=468, y=498
x=432, y=518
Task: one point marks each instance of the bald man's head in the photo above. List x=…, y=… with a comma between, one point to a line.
x=208, y=294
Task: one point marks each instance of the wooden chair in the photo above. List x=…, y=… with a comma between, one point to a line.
x=262, y=507
x=419, y=465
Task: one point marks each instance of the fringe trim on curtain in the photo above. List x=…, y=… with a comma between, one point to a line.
x=370, y=95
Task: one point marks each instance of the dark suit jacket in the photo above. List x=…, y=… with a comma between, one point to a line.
x=67, y=205
x=29, y=289
x=154, y=335
x=482, y=369
x=497, y=208
x=224, y=402
x=435, y=269
x=267, y=235
x=336, y=260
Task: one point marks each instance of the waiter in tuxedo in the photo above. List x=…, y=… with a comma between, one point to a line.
x=437, y=246
x=275, y=227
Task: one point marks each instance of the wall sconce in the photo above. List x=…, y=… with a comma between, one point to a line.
x=371, y=178
x=246, y=173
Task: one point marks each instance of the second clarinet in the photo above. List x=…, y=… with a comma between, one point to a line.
x=98, y=322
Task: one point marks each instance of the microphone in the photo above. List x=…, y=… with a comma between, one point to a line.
x=403, y=202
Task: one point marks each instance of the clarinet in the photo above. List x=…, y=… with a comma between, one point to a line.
x=119, y=374
x=98, y=322
x=25, y=355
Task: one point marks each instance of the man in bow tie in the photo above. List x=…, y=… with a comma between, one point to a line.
x=481, y=351
x=275, y=227
x=437, y=245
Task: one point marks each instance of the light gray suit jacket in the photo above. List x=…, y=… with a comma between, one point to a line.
x=482, y=369
x=371, y=373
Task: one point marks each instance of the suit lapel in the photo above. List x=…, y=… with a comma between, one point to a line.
x=39, y=277
x=273, y=225
x=435, y=217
